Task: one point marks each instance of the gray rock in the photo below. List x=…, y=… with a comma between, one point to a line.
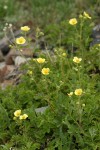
x=41, y=109
x=19, y=60
x=95, y=35
x=2, y=64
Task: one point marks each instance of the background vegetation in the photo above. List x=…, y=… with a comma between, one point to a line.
x=71, y=120
x=41, y=13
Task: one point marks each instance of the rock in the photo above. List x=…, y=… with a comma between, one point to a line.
x=4, y=46
x=5, y=71
x=41, y=109
x=15, y=75
x=10, y=58
x=6, y=83
x=2, y=64
x=2, y=73
x=4, y=43
x=95, y=35
x=1, y=57
x=19, y=60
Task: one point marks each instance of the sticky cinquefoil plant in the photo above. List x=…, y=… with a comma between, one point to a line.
x=67, y=96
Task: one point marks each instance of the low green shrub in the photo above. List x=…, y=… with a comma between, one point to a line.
x=66, y=85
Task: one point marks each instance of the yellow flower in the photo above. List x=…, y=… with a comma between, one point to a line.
x=77, y=60
x=23, y=117
x=30, y=72
x=20, y=40
x=70, y=94
x=17, y=113
x=86, y=15
x=25, y=28
x=40, y=60
x=64, y=54
x=45, y=71
x=83, y=105
x=78, y=92
x=73, y=21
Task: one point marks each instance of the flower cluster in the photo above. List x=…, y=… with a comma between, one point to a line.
x=7, y=27
x=86, y=15
x=45, y=71
x=25, y=28
x=17, y=114
x=20, y=40
x=77, y=60
x=23, y=117
x=73, y=21
x=40, y=60
x=77, y=92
